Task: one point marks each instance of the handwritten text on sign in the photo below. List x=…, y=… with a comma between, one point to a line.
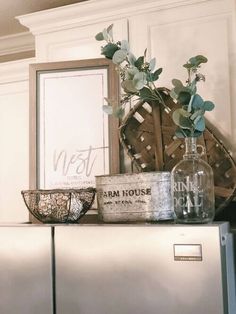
x=80, y=162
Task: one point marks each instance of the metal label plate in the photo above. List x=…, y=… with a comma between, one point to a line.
x=187, y=252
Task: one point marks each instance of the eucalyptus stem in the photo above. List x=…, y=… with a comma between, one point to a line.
x=137, y=74
x=189, y=76
x=159, y=97
x=190, y=103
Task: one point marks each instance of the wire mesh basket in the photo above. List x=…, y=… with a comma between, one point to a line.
x=59, y=205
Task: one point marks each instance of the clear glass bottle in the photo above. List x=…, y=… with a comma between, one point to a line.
x=193, y=187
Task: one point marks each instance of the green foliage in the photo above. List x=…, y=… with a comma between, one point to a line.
x=195, y=62
x=109, y=50
x=137, y=80
x=190, y=118
x=112, y=109
x=137, y=74
x=99, y=36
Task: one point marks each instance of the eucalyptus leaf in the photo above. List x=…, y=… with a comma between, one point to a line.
x=197, y=60
x=119, y=56
x=177, y=83
x=107, y=109
x=130, y=73
x=184, y=97
x=146, y=94
x=185, y=123
x=200, y=77
x=156, y=74
x=180, y=133
x=111, y=102
x=182, y=89
x=197, y=120
x=193, y=61
x=105, y=34
x=173, y=94
x=199, y=123
x=181, y=120
x=128, y=86
x=158, y=71
x=152, y=77
x=208, y=105
x=119, y=112
x=187, y=65
x=110, y=30
x=184, y=112
x=124, y=45
x=192, y=133
x=201, y=59
x=196, y=133
x=140, y=79
x=139, y=62
x=198, y=102
x=152, y=64
x=197, y=114
x=180, y=117
x=109, y=50
x=131, y=59
x=99, y=36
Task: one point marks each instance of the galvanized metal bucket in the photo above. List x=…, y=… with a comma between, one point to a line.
x=135, y=197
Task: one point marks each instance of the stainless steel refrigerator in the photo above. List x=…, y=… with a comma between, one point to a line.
x=25, y=269
x=144, y=269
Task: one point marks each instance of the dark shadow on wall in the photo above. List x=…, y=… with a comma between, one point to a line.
x=228, y=214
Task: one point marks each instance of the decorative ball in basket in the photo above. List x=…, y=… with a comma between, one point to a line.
x=59, y=205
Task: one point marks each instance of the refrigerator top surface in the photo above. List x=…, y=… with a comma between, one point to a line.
x=220, y=224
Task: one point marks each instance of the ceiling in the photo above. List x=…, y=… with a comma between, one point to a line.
x=9, y=9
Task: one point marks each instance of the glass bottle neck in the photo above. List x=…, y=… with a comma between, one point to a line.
x=190, y=148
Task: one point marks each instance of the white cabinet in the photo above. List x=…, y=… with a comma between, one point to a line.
x=175, y=34
x=75, y=43
x=14, y=139
x=172, y=30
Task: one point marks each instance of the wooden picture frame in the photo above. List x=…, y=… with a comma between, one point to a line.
x=66, y=114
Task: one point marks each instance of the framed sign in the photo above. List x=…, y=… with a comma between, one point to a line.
x=71, y=139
